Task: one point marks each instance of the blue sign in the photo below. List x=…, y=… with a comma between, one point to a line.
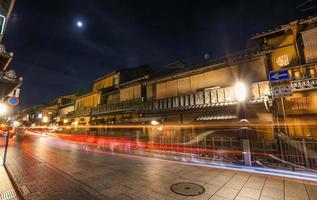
x=279, y=75
x=13, y=101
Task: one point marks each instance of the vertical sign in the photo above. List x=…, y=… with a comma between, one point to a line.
x=280, y=82
x=2, y=23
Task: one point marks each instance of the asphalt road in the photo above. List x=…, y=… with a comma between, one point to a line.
x=47, y=168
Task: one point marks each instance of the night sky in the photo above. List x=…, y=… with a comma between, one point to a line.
x=56, y=57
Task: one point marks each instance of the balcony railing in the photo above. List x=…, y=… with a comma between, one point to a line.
x=207, y=98
x=304, y=77
x=80, y=112
x=126, y=105
x=304, y=84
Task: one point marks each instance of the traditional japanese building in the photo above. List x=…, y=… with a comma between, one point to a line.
x=9, y=82
x=293, y=47
x=112, y=99
x=65, y=105
x=230, y=96
x=204, y=94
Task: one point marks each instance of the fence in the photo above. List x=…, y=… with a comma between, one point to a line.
x=293, y=154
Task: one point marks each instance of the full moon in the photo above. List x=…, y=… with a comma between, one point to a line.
x=79, y=24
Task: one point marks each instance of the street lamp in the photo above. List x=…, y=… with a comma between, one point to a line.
x=240, y=90
x=154, y=123
x=3, y=109
x=241, y=94
x=45, y=119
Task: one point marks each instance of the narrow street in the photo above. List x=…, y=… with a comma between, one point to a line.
x=45, y=167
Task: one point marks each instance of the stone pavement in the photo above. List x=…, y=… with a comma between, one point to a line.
x=46, y=168
x=37, y=180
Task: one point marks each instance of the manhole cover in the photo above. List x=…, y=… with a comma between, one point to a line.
x=187, y=189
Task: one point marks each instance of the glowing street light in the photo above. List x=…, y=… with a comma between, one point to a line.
x=240, y=90
x=75, y=123
x=3, y=109
x=154, y=123
x=16, y=124
x=45, y=119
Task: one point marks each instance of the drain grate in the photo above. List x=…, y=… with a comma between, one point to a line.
x=8, y=194
x=25, y=190
x=188, y=189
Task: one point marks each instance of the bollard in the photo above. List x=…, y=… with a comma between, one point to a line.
x=246, y=152
x=307, y=164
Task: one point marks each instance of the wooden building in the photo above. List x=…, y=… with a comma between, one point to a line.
x=204, y=94
x=293, y=47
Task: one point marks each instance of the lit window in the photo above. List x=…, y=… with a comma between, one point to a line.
x=311, y=72
x=296, y=74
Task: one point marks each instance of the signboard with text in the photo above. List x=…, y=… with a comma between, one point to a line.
x=2, y=23
x=280, y=83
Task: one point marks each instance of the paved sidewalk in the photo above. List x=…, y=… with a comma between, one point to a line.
x=40, y=181
x=6, y=188
x=48, y=169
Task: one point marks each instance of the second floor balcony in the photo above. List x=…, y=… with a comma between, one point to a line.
x=304, y=77
x=116, y=107
x=81, y=112
x=212, y=97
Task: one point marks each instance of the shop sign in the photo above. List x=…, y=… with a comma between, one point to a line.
x=280, y=83
x=283, y=60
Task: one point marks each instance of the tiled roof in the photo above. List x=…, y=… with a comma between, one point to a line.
x=285, y=27
x=211, y=63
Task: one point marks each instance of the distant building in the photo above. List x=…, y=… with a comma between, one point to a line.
x=65, y=105
x=31, y=115
x=109, y=96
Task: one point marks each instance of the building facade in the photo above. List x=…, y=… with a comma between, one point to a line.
x=9, y=81
x=294, y=47
x=186, y=100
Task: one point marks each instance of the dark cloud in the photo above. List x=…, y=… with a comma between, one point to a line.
x=55, y=57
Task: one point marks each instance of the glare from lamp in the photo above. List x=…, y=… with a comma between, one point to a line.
x=154, y=122
x=45, y=119
x=75, y=123
x=160, y=128
x=16, y=124
x=240, y=90
x=3, y=109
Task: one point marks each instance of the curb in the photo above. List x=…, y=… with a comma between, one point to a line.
x=14, y=184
